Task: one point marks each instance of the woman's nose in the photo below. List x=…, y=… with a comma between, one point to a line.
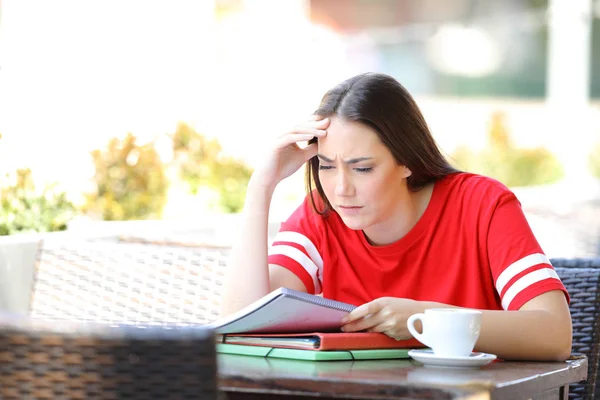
x=343, y=185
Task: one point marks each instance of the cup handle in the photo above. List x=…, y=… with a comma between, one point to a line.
x=410, y=324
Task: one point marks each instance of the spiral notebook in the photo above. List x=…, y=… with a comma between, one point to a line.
x=286, y=311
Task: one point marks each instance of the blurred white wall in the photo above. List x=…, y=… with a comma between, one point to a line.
x=74, y=74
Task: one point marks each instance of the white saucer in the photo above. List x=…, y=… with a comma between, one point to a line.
x=426, y=357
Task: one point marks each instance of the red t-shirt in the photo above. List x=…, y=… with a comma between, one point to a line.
x=472, y=247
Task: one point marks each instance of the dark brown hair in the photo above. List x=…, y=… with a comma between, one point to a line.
x=384, y=105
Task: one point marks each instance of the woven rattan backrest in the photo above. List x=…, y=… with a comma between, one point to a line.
x=581, y=277
x=65, y=361
x=141, y=283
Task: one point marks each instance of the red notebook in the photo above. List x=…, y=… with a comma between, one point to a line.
x=321, y=341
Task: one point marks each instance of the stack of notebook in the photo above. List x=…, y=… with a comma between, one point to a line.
x=291, y=324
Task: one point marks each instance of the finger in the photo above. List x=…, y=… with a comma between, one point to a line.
x=356, y=314
x=316, y=117
x=390, y=331
x=294, y=138
x=324, y=123
x=380, y=328
x=300, y=130
x=318, y=123
x=362, y=311
x=362, y=324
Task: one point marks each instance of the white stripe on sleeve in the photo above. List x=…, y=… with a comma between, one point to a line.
x=519, y=266
x=524, y=282
x=311, y=249
x=300, y=258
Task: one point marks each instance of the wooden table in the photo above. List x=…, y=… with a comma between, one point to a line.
x=247, y=377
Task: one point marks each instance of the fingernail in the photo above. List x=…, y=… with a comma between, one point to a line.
x=344, y=320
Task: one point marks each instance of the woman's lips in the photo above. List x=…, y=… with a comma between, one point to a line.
x=349, y=209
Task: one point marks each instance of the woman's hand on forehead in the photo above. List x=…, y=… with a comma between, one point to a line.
x=285, y=156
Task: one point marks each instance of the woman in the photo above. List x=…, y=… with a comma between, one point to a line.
x=393, y=228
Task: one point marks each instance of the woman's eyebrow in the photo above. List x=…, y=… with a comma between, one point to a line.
x=350, y=161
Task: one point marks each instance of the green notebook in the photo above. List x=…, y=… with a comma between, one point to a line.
x=312, y=355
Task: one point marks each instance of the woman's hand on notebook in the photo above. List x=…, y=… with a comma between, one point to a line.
x=386, y=315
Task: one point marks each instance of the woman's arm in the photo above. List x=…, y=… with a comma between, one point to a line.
x=248, y=276
x=539, y=330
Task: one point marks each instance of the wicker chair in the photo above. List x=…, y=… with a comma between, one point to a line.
x=127, y=282
x=581, y=277
x=62, y=360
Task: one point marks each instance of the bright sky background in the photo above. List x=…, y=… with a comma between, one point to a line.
x=75, y=73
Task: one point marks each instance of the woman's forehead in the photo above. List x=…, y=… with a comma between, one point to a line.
x=349, y=139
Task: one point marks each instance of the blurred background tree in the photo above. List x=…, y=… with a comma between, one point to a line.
x=201, y=164
x=130, y=181
x=27, y=209
x=502, y=160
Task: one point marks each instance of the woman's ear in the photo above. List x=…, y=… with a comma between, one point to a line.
x=406, y=172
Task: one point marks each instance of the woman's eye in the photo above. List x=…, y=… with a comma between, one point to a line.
x=324, y=167
x=363, y=170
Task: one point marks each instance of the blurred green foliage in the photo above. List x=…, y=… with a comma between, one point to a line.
x=594, y=161
x=201, y=164
x=503, y=161
x=130, y=181
x=26, y=209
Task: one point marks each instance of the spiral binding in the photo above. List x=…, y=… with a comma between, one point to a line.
x=311, y=298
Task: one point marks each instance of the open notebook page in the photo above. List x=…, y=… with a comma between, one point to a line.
x=286, y=311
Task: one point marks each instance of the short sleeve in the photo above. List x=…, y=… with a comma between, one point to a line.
x=296, y=245
x=520, y=268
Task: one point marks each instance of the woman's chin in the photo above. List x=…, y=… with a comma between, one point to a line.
x=354, y=224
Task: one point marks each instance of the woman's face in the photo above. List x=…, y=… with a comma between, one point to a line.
x=360, y=177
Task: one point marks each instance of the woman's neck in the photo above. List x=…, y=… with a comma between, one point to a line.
x=410, y=209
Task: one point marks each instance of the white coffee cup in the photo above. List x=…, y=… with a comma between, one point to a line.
x=449, y=332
